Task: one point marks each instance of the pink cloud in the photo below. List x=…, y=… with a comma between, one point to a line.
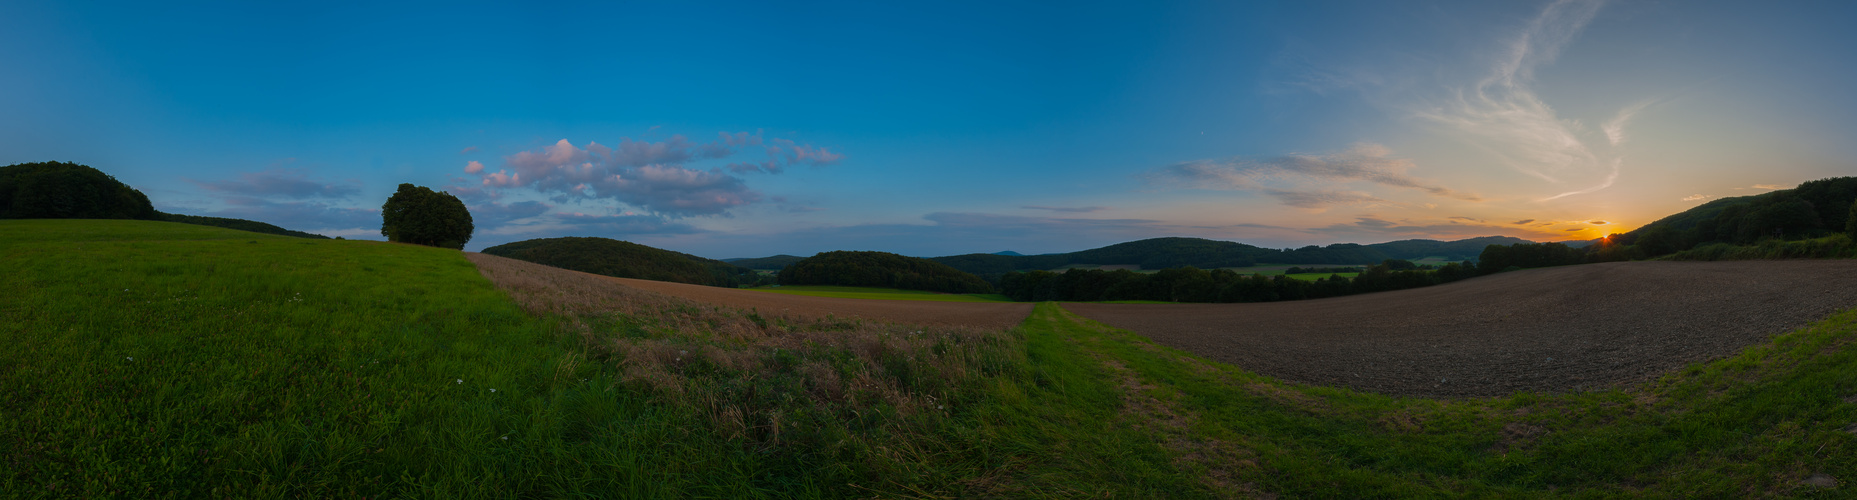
x=500, y=179
x=473, y=167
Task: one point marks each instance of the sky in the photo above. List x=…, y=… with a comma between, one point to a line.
x=750, y=129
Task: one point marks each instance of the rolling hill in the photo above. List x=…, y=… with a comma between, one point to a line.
x=60, y=190
x=623, y=259
x=774, y=263
x=1160, y=253
x=881, y=269
x=1813, y=209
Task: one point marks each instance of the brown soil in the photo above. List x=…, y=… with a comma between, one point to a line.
x=975, y=314
x=1547, y=330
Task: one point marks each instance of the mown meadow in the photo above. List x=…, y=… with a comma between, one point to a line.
x=153, y=359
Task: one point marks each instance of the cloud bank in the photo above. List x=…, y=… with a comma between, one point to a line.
x=652, y=176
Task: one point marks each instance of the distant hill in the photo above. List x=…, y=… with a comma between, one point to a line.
x=239, y=224
x=1813, y=209
x=774, y=263
x=881, y=269
x=1009, y=253
x=1161, y=253
x=624, y=259
x=61, y=190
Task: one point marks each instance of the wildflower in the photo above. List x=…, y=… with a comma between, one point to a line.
x=493, y=390
x=505, y=438
x=131, y=358
x=460, y=381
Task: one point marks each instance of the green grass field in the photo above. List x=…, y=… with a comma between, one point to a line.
x=856, y=292
x=156, y=360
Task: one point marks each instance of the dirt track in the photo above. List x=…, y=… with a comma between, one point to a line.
x=1551, y=330
x=980, y=314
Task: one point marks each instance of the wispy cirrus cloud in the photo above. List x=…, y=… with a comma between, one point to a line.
x=1288, y=178
x=1502, y=113
x=1074, y=210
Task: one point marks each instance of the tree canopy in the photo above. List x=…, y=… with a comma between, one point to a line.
x=60, y=190
x=418, y=215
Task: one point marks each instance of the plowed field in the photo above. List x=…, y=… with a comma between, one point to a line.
x=1550, y=330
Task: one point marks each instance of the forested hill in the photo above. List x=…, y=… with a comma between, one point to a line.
x=1813, y=209
x=61, y=190
x=881, y=269
x=239, y=224
x=1161, y=253
x=776, y=262
x=623, y=259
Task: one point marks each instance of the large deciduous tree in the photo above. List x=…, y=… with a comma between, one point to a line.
x=418, y=215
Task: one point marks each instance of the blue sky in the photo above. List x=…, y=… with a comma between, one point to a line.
x=746, y=129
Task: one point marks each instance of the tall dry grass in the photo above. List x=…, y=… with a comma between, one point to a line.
x=763, y=377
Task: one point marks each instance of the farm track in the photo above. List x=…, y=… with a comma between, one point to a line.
x=1546, y=330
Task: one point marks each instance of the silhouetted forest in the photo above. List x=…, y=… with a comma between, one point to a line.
x=1190, y=284
x=624, y=259
x=881, y=269
x=1162, y=253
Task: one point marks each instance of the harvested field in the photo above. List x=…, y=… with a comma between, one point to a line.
x=974, y=314
x=1548, y=330
x=977, y=314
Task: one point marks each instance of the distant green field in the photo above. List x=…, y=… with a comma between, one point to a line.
x=1317, y=276
x=856, y=292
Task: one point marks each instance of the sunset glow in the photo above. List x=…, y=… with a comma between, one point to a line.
x=944, y=129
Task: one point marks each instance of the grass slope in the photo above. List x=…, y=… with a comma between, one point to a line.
x=152, y=359
x=1779, y=420
x=858, y=292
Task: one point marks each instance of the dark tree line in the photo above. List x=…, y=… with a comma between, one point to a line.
x=1162, y=253
x=881, y=269
x=1189, y=284
x=1327, y=270
x=239, y=224
x=1499, y=258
